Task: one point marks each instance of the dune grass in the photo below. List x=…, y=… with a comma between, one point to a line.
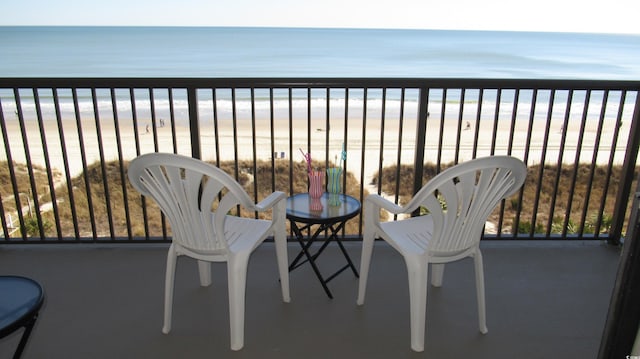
x=539, y=188
x=131, y=214
x=125, y=206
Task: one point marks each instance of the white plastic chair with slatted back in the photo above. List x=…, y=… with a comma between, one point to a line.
x=458, y=202
x=196, y=197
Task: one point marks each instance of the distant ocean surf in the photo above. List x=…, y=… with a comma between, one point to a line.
x=296, y=52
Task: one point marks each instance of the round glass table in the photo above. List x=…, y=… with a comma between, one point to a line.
x=303, y=213
x=20, y=302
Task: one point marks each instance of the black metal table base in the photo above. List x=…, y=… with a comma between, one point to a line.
x=334, y=228
x=20, y=308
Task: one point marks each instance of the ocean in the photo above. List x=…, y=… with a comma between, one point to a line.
x=297, y=52
x=304, y=52
x=290, y=52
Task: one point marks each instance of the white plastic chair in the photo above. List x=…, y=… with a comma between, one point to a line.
x=196, y=197
x=458, y=200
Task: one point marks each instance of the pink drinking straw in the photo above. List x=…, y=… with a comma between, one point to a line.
x=307, y=157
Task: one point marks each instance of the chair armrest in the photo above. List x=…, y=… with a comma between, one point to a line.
x=270, y=201
x=385, y=204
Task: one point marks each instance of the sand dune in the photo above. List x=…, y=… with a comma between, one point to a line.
x=365, y=148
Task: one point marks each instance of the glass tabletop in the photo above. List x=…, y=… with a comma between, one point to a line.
x=299, y=209
x=19, y=298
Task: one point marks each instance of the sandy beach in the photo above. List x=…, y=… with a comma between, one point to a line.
x=375, y=145
x=368, y=150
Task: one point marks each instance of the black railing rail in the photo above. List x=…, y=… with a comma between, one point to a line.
x=69, y=140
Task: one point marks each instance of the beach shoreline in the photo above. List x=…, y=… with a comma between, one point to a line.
x=364, y=148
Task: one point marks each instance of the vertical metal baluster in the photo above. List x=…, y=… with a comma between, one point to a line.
x=576, y=168
x=143, y=200
x=443, y=115
x=476, y=136
x=290, y=110
x=382, y=129
x=592, y=168
x=514, y=117
x=459, y=126
x=103, y=163
x=172, y=118
x=628, y=167
x=559, y=164
x=272, y=139
x=52, y=191
x=254, y=147
x=27, y=151
x=527, y=148
x=399, y=155
x=365, y=95
x=121, y=161
x=327, y=125
x=345, y=135
x=496, y=120
x=234, y=123
x=421, y=135
x=65, y=160
x=83, y=155
x=154, y=121
x=543, y=157
x=216, y=133
x=12, y=175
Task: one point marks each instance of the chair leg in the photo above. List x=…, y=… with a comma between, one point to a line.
x=204, y=269
x=482, y=315
x=168, y=288
x=437, y=272
x=237, y=277
x=365, y=262
x=283, y=264
x=417, y=269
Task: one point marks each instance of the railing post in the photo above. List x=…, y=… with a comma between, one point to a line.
x=628, y=169
x=421, y=133
x=624, y=314
x=194, y=123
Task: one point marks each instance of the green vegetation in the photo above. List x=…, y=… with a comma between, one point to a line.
x=124, y=202
x=99, y=207
x=540, y=187
x=32, y=228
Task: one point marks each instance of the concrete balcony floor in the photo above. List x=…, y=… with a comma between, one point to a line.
x=544, y=300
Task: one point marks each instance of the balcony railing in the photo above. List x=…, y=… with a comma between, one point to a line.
x=68, y=142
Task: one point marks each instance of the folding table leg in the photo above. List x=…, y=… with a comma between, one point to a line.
x=25, y=337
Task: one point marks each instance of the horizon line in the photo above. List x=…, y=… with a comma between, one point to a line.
x=319, y=28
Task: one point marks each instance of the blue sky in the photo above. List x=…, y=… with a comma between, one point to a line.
x=611, y=16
